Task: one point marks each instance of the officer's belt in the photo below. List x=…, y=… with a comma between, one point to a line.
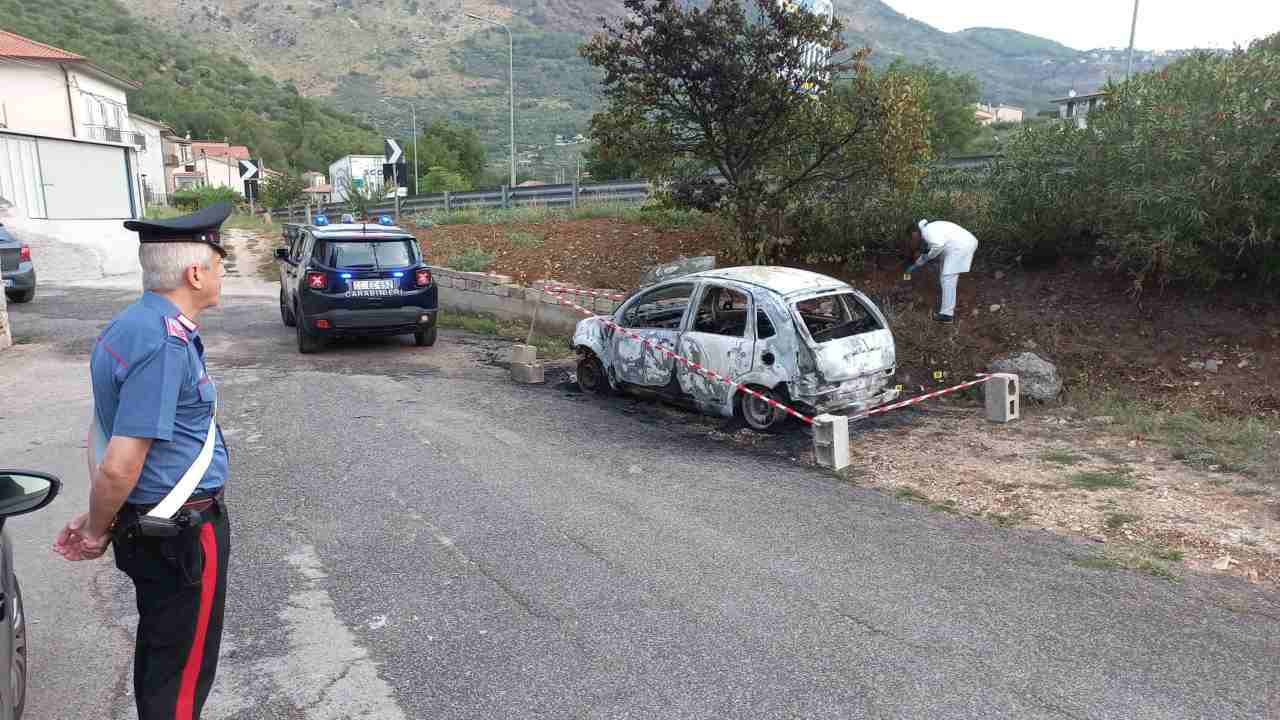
x=189, y=481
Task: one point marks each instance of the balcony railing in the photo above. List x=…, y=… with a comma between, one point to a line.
x=116, y=135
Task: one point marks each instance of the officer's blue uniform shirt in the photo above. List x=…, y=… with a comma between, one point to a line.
x=149, y=381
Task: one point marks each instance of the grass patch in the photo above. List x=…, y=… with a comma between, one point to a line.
x=1129, y=561
x=1097, y=562
x=909, y=493
x=549, y=348
x=1249, y=446
x=1249, y=492
x=474, y=260
x=1115, y=521
x=658, y=217
x=237, y=221
x=1169, y=554
x=1063, y=457
x=1117, y=477
x=523, y=239
x=948, y=506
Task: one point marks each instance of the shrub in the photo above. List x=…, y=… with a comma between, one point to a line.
x=202, y=197
x=473, y=260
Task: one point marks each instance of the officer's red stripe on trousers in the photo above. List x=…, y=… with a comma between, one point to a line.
x=195, y=658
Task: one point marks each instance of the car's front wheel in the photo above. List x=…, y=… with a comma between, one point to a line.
x=425, y=338
x=591, y=374
x=286, y=312
x=21, y=296
x=18, y=669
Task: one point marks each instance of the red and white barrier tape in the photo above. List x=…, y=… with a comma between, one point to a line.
x=557, y=290
x=917, y=400
x=687, y=362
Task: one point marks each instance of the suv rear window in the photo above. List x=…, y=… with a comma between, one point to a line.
x=367, y=254
x=832, y=317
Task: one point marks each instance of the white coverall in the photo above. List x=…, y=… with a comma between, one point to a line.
x=956, y=246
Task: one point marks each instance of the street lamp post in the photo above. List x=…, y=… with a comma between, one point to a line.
x=1133, y=32
x=511, y=86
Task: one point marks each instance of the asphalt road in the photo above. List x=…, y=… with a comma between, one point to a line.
x=414, y=536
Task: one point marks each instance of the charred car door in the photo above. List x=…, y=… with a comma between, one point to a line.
x=657, y=316
x=718, y=339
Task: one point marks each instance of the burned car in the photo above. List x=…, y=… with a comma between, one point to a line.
x=807, y=340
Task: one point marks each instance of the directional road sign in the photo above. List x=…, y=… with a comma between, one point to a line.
x=248, y=171
x=392, y=152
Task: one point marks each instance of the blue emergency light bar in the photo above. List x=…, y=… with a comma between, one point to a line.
x=384, y=220
x=321, y=220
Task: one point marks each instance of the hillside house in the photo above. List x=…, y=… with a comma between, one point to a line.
x=1077, y=108
x=987, y=114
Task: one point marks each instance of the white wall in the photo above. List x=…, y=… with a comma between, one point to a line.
x=220, y=172
x=97, y=101
x=366, y=167
x=34, y=98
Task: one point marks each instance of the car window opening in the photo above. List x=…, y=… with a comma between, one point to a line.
x=722, y=312
x=832, y=317
x=361, y=254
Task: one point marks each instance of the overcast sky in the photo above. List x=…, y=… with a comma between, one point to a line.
x=1087, y=24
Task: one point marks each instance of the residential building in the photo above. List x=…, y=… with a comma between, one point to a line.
x=317, y=191
x=179, y=164
x=151, y=165
x=987, y=114
x=219, y=163
x=1077, y=108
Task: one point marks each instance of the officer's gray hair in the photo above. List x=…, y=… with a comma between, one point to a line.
x=164, y=265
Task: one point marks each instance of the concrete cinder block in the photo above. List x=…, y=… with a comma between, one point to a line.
x=831, y=441
x=524, y=354
x=1003, y=398
x=527, y=373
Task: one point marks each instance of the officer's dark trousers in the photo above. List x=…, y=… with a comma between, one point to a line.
x=181, y=588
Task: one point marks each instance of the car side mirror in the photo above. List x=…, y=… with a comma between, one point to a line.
x=282, y=253
x=24, y=491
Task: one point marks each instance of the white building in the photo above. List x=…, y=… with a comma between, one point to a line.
x=1076, y=108
x=363, y=171
x=69, y=154
x=151, y=169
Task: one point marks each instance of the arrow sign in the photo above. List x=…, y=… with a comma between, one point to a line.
x=248, y=171
x=391, y=151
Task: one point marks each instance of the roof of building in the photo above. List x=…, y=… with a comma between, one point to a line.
x=220, y=149
x=318, y=189
x=18, y=47
x=13, y=45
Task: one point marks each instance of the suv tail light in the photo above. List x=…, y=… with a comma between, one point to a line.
x=24, y=255
x=422, y=278
x=317, y=280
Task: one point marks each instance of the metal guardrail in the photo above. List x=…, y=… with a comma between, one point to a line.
x=568, y=195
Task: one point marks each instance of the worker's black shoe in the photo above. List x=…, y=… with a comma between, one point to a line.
x=944, y=318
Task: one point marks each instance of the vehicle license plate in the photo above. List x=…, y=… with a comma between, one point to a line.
x=8, y=282
x=373, y=288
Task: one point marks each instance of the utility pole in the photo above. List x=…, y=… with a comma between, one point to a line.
x=1133, y=32
x=511, y=86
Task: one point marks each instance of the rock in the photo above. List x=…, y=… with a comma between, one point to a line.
x=1195, y=365
x=1211, y=365
x=1038, y=376
x=1031, y=344
x=1243, y=364
x=975, y=312
x=994, y=308
x=1224, y=563
x=999, y=275
x=1102, y=420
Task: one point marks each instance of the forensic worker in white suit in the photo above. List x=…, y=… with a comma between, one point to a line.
x=956, y=246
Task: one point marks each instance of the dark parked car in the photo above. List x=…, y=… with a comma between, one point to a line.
x=355, y=279
x=16, y=267
x=21, y=491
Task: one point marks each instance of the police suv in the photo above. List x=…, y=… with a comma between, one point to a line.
x=354, y=279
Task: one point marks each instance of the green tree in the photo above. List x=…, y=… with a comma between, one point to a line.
x=440, y=179
x=949, y=98
x=454, y=148
x=604, y=164
x=726, y=86
x=283, y=190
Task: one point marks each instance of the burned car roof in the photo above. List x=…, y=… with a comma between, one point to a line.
x=782, y=280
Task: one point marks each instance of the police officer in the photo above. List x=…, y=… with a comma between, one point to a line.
x=931, y=238
x=157, y=465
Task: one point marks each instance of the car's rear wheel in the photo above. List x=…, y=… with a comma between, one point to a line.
x=18, y=670
x=425, y=338
x=307, y=343
x=758, y=414
x=286, y=313
x=21, y=296
x=591, y=374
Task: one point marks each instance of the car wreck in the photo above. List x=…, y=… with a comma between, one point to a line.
x=804, y=339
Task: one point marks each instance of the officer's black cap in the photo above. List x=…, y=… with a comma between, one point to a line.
x=200, y=227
